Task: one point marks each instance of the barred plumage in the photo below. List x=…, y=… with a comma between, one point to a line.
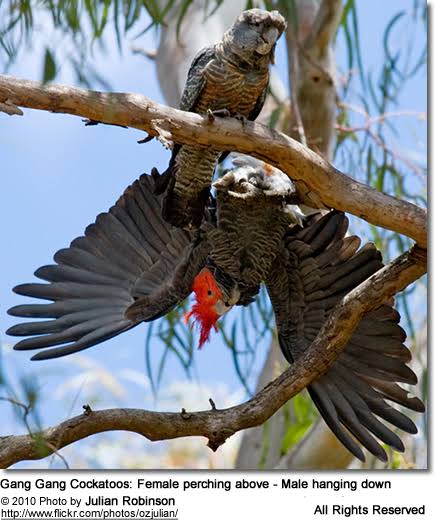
x=233, y=76
x=133, y=266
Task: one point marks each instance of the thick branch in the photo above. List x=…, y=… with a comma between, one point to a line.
x=218, y=425
x=318, y=182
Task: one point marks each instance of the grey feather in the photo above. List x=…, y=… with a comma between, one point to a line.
x=320, y=267
x=129, y=255
x=195, y=78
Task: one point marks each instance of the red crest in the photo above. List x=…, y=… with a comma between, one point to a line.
x=207, y=294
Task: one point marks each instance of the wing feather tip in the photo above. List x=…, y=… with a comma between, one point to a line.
x=14, y=311
x=40, y=356
x=381, y=454
x=16, y=330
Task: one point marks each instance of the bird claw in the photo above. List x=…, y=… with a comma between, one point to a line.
x=213, y=114
x=146, y=139
x=243, y=119
x=90, y=122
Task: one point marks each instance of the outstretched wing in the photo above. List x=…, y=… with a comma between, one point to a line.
x=195, y=84
x=195, y=81
x=317, y=268
x=258, y=106
x=130, y=266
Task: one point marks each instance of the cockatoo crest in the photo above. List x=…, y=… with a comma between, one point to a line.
x=204, y=311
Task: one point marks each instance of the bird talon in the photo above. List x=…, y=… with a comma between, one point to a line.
x=146, y=139
x=240, y=117
x=213, y=114
x=210, y=116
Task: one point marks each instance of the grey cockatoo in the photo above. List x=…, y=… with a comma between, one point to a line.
x=132, y=266
x=230, y=76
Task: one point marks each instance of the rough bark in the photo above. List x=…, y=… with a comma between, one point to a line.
x=218, y=425
x=319, y=184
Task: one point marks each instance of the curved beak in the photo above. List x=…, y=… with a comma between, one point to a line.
x=221, y=308
x=268, y=40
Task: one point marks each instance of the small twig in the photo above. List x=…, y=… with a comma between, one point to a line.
x=93, y=122
x=212, y=404
x=87, y=409
x=370, y=121
x=185, y=415
x=386, y=115
x=56, y=452
x=9, y=108
x=90, y=122
x=395, y=154
x=32, y=434
x=25, y=407
x=380, y=142
x=151, y=55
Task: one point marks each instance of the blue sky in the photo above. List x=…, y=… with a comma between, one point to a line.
x=57, y=175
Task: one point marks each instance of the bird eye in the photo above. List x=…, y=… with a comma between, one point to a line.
x=209, y=292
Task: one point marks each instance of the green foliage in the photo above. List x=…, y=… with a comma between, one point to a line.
x=49, y=67
x=22, y=395
x=368, y=117
x=299, y=414
x=73, y=27
x=179, y=341
x=242, y=331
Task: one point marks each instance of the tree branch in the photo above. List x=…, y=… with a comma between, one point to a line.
x=218, y=425
x=318, y=182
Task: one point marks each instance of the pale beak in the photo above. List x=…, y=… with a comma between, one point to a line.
x=221, y=308
x=268, y=38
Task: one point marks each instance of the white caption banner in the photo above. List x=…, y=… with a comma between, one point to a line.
x=216, y=495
